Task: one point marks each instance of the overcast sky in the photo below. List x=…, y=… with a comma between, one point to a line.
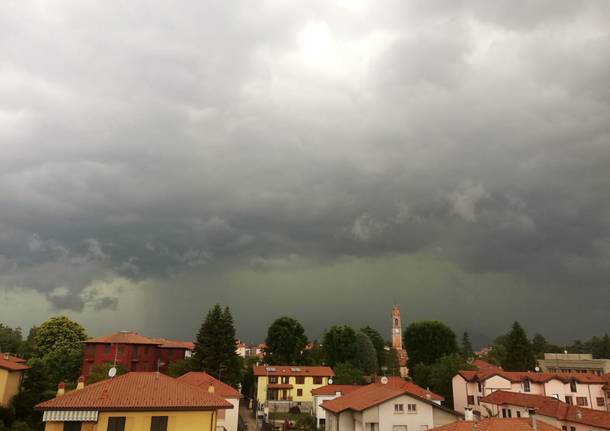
x=318, y=159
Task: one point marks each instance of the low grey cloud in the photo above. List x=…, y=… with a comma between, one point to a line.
x=147, y=146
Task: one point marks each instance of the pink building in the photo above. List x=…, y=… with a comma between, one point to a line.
x=579, y=389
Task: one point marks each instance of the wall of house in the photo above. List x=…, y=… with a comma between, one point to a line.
x=140, y=421
x=10, y=382
x=441, y=417
x=460, y=392
x=414, y=421
x=306, y=387
x=319, y=412
x=228, y=418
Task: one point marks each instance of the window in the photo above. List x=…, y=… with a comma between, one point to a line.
x=317, y=380
x=412, y=408
x=564, y=428
x=72, y=426
x=479, y=387
x=600, y=402
x=116, y=423
x=285, y=380
x=526, y=385
x=121, y=350
x=572, y=428
x=581, y=401
x=134, y=350
x=470, y=400
x=134, y=366
x=569, y=399
x=299, y=392
x=399, y=428
x=399, y=408
x=507, y=413
x=573, y=386
x=158, y=423
x=272, y=379
x=106, y=349
x=300, y=380
x=479, y=401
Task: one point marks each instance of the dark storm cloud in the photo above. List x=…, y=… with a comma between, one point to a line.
x=144, y=141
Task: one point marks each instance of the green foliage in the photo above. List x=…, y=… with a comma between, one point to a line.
x=378, y=344
x=99, y=372
x=438, y=376
x=347, y=374
x=180, y=367
x=35, y=388
x=466, y=347
x=599, y=347
x=58, y=334
x=427, y=341
x=247, y=383
x=393, y=367
x=339, y=344
x=519, y=355
x=539, y=344
x=215, y=347
x=305, y=422
x=366, y=356
x=286, y=341
x=64, y=365
x=314, y=355
x=11, y=339
x=21, y=426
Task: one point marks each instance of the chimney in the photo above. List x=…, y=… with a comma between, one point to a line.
x=211, y=388
x=532, y=413
x=468, y=415
x=61, y=388
x=7, y=356
x=81, y=383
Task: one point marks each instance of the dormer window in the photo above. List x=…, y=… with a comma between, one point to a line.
x=573, y=386
x=526, y=385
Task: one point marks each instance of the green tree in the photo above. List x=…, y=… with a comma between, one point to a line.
x=99, y=372
x=59, y=333
x=11, y=340
x=438, y=376
x=539, y=344
x=427, y=341
x=180, y=367
x=215, y=347
x=347, y=374
x=366, y=356
x=314, y=355
x=519, y=355
x=286, y=341
x=339, y=344
x=467, y=351
x=378, y=343
x=35, y=388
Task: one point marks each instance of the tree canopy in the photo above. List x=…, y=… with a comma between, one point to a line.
x=466, y=347
x=427, y=341
x=519, y=355
x=378, y=344
x=347, y=374
x=58, y=334
x=286, y=341
x=366, y=357
x=339, y=344
x=215, y=347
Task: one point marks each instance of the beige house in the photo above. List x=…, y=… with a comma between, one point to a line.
x=11, y=374
x=573, y=363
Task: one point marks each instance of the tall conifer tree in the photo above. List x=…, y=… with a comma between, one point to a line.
x=519, y=354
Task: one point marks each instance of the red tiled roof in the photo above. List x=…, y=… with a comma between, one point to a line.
x=333, y=389
x=12, y=363
x=137, y=391
x=164, y=343
x=377, y=393
x=292, y=370
x=518, y=376
x=123, y=337
x=485, y=366
x=496, y=424
x=551, y=407
x=204, y=381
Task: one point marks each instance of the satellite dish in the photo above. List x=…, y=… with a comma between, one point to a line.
x=537, y=369
x=112, y=372
x=330, y=381
x=384, y=380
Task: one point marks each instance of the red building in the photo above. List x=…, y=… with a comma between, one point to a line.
x=134, y=352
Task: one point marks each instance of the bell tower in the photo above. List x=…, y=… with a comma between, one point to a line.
x=396, y=329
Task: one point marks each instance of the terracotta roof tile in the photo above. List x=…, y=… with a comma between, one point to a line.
x=496, y=424
x=518, y=376
x=333, y=389
x=485, y=366
x=551, y=407
x=137, y=391
x=123, y=337
x=164, y=343
x=12, y=363
x=204, y=380
x=292, y=370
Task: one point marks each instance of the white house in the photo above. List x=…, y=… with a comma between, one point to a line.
x=227, y=419
x=327, y=393
x=392, y=406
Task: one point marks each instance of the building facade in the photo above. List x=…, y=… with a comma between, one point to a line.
x=573, y=363
x=227, y=419
x=133, y=352
x=135, y=401
x=279, y=387
x=11, y=375
x=389, y=406
x=327, y=393
x=580, y=389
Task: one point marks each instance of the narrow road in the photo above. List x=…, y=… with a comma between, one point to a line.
x=248, y=417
